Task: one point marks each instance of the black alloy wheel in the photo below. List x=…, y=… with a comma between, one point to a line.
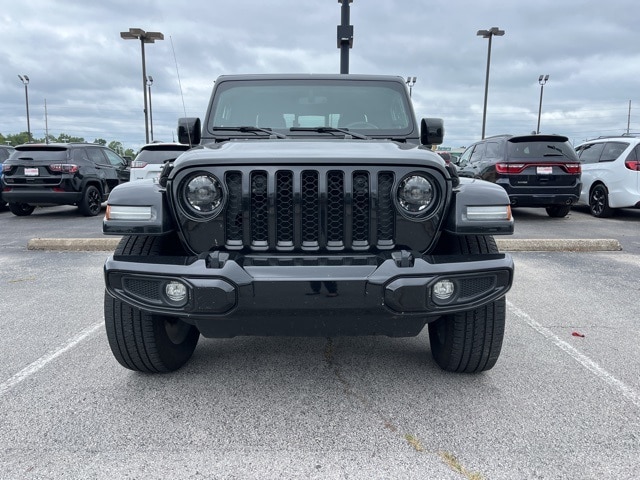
x=599, y=202
x=91, y=203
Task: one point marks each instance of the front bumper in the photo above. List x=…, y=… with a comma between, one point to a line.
x=232, y=294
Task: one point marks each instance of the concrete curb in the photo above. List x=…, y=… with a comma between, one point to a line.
x=558, y=245
x=504, y=244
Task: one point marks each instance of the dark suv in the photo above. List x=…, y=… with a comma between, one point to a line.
x=5, y=151
x=81, y=174
x=535, y=170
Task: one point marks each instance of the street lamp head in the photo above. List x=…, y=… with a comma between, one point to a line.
x=488, y=33
x=151, y=37
x=542, y=79
x=149, y=81
x=140, y=34
x=24, y=79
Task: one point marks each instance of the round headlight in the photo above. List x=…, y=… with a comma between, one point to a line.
x=203, y=194
x=416, y=194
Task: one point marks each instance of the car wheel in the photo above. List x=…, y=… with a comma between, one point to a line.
x=21, y=209
x=469, y=342
x=91, y=202
x=558, y=211
x=599, y=202
x=139, y=340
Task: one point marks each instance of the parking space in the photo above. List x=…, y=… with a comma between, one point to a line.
x=557, y=405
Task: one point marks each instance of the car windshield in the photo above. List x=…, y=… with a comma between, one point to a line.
x=44, y=153
x=312, y=106
x=542, y=148
x=160, y=155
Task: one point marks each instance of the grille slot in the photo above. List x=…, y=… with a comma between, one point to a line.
x=310, y=210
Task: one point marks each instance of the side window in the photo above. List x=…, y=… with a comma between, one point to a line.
x=478, y=152
x=493, y=150
x=114, y=159
x=634, y=155
x=79, y=155
x=612, y=150
x=464, y=158
x=96, y=156
x=591, y=152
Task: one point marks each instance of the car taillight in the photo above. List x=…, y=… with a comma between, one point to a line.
x=573, y=168
x=510, y=167
x=633, y=165
x=6, y=168
x=63, y=167
x=138, y=164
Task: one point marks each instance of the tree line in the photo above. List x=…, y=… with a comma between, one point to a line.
x=23, y=137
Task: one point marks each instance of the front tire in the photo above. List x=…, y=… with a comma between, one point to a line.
x=147, y=343
x=139, y=340
x=599, y=202
x=21, y=209
x=91, y=203
x=470, y=341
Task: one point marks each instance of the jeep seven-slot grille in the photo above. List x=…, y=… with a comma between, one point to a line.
x=310, y=210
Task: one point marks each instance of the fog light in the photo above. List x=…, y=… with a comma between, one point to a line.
x=443, y=290
x=176, y=291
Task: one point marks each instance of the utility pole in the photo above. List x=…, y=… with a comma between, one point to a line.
x=345, y=35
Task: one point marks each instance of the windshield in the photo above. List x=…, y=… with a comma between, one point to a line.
x=374, y=107
x=161, y=155
x=540, y=149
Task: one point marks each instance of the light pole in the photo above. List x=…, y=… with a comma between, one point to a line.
x=25, y=79
x=542, y=80
x=149, y=83
x=488, y=34
x=144, y=37
x=411, y=81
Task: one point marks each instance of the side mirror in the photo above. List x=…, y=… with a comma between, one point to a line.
x=189, y=132
x=431, y=131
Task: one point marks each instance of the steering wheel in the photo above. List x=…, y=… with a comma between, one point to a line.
x=362, y=125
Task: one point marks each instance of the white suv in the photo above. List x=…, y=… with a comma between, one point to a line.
x=152, y=157
x=610, y=174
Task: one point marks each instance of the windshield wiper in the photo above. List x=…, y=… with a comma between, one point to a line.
x=560, y=154
x=249, y=128
x=346, y=131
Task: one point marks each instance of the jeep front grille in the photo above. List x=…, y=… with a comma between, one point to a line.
x=310, y=210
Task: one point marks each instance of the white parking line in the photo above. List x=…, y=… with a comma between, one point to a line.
x=34, y=367
x=628, y=392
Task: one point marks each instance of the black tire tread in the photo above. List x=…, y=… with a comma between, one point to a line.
x=473, y=339
x=137, y=339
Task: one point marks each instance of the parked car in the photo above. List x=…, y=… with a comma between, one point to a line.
x=152, y=157
x=610, y=174
x=535, y=170
x=5, y=151
x=81, y=174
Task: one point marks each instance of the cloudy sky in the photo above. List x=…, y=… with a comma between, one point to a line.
x=91, y=79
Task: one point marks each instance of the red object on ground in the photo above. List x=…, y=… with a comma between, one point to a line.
x=577, y=334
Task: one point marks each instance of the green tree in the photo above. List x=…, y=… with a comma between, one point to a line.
x=100, y=141
x=116, y=147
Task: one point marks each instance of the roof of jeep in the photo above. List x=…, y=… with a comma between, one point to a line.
x=315, y=76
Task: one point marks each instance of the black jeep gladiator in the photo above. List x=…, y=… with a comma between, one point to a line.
x=308, y=205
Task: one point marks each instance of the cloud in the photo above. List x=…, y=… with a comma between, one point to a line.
x=91, y=79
